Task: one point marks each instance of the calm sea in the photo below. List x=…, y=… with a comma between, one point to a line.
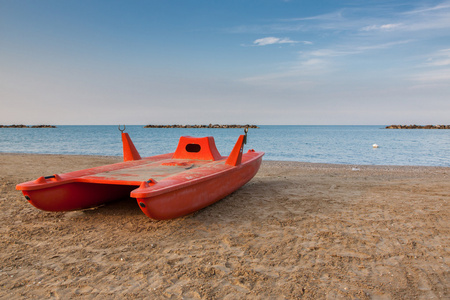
x=319, y=144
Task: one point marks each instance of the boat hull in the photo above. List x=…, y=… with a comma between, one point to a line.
x=179, y=202
x=76, y=196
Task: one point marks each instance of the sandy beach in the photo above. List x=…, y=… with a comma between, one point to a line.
x=296, y=231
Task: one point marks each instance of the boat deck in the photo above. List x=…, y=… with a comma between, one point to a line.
x=135, y=175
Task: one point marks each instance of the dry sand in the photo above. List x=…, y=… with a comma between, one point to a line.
x=297, y=230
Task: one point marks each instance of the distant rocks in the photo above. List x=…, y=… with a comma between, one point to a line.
x=13, y=126
x=418, y=127
x=25, y=126
x=201, y=126
x=43, y=126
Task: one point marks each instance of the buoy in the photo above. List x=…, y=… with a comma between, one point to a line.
x=375, y=145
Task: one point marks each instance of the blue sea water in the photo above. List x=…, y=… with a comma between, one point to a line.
x=318, y=144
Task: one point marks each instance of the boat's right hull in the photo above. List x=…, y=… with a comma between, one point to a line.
x=188, y=199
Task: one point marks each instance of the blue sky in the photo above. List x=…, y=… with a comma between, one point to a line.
x=201, y=62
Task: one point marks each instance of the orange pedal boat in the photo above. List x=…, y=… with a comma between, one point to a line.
x=165, y=186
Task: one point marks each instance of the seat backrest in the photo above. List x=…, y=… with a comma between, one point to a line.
x=203, y=148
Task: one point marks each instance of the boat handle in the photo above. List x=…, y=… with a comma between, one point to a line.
x=245, y=137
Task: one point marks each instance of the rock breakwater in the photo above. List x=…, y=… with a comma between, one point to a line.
x=26, y=126
x=418, y=127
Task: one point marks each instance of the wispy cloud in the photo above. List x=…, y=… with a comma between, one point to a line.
x=439, y=59
x=333, y=16
x=353, y=39
x=304, y=74
x=383, y=45
x=352, y=49
x=329, y=53
x=428, y=18
x=274, y=40
x=433, y=76
x=356, y=20
x=434, y=72
x=382, y=27
x=439, y=7
x=424, y=18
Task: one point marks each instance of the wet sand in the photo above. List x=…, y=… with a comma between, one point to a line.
x=297, y=230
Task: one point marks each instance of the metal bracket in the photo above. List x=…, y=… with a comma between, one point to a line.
x=245, y=137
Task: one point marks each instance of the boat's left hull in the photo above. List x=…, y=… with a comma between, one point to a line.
x=76, y=195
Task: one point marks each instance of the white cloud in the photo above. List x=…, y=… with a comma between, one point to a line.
x=314, y=63
x=331, y=52
x=434, y=76
x=436, y=70
x=383, y=40
x=334, y=16
x=383, y=46
x=427, y=18
x=439, y=7
x=352, y=49
x=352, y=20
x=305, y=74
x=386, y=27
x=439, y=59
x=439, y=62
x=273, y=40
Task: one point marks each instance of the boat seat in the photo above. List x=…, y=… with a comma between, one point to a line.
x=203, y=148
